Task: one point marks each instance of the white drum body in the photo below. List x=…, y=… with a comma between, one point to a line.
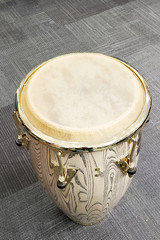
x=91, y=193
x=81, y=115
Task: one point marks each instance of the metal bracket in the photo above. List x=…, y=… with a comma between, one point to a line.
x=126, y=164
x=64, y=175
x=23, y=139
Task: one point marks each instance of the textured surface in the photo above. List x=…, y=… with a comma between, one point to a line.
x=87, y=198
x=81, y=98
x=34, y=31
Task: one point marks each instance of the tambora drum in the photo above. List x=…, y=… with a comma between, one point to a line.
x=81, y=115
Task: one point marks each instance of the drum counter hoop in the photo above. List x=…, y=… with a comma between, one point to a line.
x=81, y=116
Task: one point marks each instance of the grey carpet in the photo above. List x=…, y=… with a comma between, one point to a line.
x=34, y=31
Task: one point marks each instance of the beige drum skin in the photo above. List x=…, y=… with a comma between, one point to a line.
x=81, y=116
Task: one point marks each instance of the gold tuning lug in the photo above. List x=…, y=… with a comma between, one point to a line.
x=64, y=175
x=126, y=164
x=23, y=139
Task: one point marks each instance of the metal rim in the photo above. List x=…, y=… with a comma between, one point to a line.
x=76, y=146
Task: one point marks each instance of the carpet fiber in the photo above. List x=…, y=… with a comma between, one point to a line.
x=33, y=31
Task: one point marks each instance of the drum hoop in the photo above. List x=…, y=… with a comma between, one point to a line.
x=77, y=146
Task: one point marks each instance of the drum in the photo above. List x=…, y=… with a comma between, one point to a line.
x=80, y=115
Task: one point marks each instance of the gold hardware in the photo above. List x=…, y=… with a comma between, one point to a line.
x=99, y=172
x=97, y=169
x=23, y=139
x=64, y=175
x=126, y=164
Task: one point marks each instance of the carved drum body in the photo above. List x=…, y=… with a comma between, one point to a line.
x=81, y=115
x=97, y=186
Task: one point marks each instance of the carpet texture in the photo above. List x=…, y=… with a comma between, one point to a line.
x=33, y=31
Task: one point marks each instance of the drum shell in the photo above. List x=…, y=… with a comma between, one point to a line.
x=97, y=186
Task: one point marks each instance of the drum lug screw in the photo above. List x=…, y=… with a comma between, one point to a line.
x=126, y=164
x=123, y=165
x=65, y=175
x=23, y=139
x=131, y=171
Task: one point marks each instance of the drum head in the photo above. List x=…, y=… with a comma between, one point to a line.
x=83, y=99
